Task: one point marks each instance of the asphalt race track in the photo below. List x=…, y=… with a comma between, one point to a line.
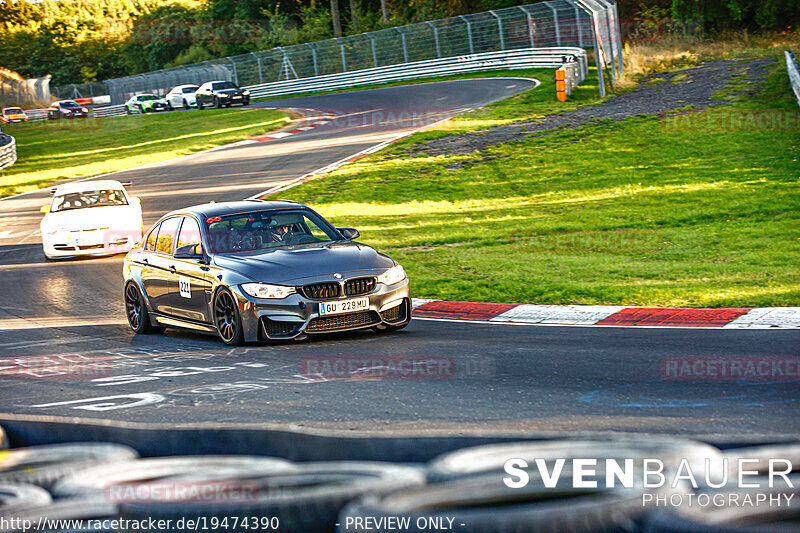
x=433, y=376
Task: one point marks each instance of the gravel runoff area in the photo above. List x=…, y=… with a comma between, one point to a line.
x=650, y=98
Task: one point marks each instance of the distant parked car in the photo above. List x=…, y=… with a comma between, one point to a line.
x=145, y=103
x=66, y=109
x=13, y=114
x=182, y=96
x=221, y=94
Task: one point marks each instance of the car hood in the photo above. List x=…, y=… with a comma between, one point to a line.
x=92, y=217
x=304, y=263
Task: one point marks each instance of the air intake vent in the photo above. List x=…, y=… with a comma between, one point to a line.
x=321, y=291
x=356, y=286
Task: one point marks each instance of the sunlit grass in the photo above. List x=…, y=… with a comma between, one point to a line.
x=68, y=149
x=647, y=211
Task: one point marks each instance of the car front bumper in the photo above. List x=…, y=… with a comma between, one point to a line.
x=69, y=244
x=297, y=316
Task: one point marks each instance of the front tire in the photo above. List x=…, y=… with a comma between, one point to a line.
x=226, y=318
x=185, y=104
x=136, y=309
x=217, y=103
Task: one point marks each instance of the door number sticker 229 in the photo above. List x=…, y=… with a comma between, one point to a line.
x=185, y=286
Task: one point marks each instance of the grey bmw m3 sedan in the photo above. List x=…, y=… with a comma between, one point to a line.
x=257, y=270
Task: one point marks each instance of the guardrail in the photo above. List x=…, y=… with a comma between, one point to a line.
x=109, y=111
x=8, y=151
x=794, y=74
x=503, y=60
x=526, y=58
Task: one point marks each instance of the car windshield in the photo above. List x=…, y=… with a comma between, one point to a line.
x=148, y=97
x=69, y=103
x=265, y=230
x=13, y=111
x=187, y=90
x=223, y=85
x=85, y=199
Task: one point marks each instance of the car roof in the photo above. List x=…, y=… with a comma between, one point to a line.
x=186, y=85
x=91, y=185
x=230, y=208
x=64, y=102
x=10, y=108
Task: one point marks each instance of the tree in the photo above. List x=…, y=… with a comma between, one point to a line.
x=337, y=20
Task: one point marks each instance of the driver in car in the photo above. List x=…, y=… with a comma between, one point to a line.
x=281, y=232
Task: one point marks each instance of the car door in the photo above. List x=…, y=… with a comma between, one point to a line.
x=157, y=277
x=191, y=296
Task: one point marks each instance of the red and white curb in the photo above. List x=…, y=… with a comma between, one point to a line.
x=608, y=315
x=321, y=118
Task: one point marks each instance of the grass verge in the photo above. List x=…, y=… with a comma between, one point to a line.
x=697, y=209
x=67, y=149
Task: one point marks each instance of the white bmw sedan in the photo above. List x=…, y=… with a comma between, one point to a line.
x=91, y=218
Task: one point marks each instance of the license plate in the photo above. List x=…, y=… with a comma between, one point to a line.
x=343, y=306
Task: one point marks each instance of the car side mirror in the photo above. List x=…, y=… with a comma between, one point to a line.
x=189, y=251
x=45, y=209
x=349, y=233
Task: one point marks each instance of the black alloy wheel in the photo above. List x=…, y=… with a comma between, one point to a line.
x=136, y=310
x=226, y=319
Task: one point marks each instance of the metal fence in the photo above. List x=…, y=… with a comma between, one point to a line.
x=589, y=24
x=24, y=93
x=574, y=59
x=794, y=74
x=8, y=151
x=83, y=90
x=508, y=59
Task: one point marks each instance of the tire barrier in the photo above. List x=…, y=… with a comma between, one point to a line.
x=44, y=465
x=8, y=151
x=95, y=480
x=727, y=515
x=307, y=499
x=19, y=497
x=794, y=73
x=85, y=509
x=462, y=489
x=490, y=460
x=481, y=504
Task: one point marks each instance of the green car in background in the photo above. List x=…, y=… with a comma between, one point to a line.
x=145, y=103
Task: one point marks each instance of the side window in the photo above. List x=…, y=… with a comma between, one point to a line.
x=190, y=233
x=150, y=244
x=166, y=235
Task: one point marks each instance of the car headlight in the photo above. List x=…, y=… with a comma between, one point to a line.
x=392, y=276
x=84, y=110
x=245, y=93
x=264, y=290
